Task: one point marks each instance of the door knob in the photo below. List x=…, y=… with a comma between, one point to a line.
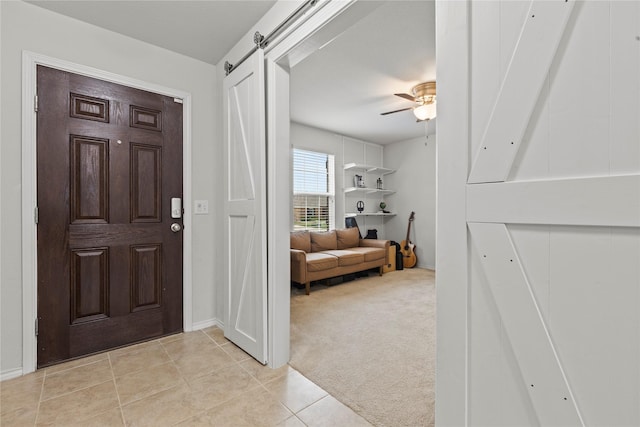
x=175, y=227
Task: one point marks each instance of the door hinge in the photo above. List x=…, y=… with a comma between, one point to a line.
x=36, y=326
x=35, y=214
x=177, y=100
x=35, y=103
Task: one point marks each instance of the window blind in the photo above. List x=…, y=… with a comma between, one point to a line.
x=313, y=190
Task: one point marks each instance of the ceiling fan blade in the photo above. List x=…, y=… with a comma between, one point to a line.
x=405, y=96
x=396, y=111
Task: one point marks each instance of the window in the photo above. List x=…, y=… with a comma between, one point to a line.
x=313, y=190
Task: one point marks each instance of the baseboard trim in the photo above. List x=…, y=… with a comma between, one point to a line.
x=206, y=324
x=10, y=374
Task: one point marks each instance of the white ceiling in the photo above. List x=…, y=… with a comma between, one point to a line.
x=204, y=29
x=346, y=85
x=342, y=88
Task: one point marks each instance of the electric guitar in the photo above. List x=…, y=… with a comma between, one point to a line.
x=407, y=248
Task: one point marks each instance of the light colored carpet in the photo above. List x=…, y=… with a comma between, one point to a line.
x=371, y=344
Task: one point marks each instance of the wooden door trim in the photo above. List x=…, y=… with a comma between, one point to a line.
x=30, y=61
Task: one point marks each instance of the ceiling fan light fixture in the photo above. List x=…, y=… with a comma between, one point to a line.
x=424, y=95
x=425, y=111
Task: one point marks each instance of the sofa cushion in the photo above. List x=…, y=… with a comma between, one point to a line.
x=346, y=257
x=370, y=254
x=348, y=238
x=323, y=241
x=300, y=240
x=320, y=261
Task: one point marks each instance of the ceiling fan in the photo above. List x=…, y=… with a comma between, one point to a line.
x=424, y=94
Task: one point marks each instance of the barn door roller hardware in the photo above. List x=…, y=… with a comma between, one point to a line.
x=261, y=41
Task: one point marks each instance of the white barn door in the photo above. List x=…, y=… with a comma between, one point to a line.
x=552, y=199
x=245, y=207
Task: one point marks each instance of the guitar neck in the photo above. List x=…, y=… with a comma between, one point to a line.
x=409, y=226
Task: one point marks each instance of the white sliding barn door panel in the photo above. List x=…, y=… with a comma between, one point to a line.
x=520, y=89
x=610, y=200
x=577, y=275
x=594, y=318
x=515, y=14
x=625, y=87
x=531, y=242
x=532, y=159
x=556, y=301
x=245, y=207
x=526, y=331
x=578, y=122
x=496, y=395
x=485, y=66
x=494, y=40
x=573, y=131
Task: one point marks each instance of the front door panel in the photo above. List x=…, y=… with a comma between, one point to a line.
x=109, y=160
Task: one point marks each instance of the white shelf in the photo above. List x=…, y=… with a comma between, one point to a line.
x=367, y=190
x=355, y=167
x=352, y=214
x=369, y=154
x=366, y=168
x=380, y=170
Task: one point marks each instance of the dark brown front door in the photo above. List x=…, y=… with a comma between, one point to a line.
x=109, y=161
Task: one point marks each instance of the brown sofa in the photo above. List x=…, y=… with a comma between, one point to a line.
x=320, y=255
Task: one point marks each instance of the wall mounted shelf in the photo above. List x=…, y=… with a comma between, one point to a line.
x=367, y=190
x=352, y=214
x=369, y=169
x=363, y=173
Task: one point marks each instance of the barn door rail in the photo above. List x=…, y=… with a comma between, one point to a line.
x=261, y=41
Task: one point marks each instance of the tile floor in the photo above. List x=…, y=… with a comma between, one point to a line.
x=192, y=379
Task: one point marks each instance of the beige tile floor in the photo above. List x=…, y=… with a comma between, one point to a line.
x=192, y=379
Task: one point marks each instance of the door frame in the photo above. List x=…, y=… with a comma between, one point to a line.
x=30, y=61
x=278, y=178
x=452, y=168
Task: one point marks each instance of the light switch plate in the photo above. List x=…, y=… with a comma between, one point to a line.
x=201, y=207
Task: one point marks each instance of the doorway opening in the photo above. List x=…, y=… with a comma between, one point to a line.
x=311, y=133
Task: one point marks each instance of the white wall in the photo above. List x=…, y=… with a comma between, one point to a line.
x=370, y=155
x=27, y=27
x=415, y=184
